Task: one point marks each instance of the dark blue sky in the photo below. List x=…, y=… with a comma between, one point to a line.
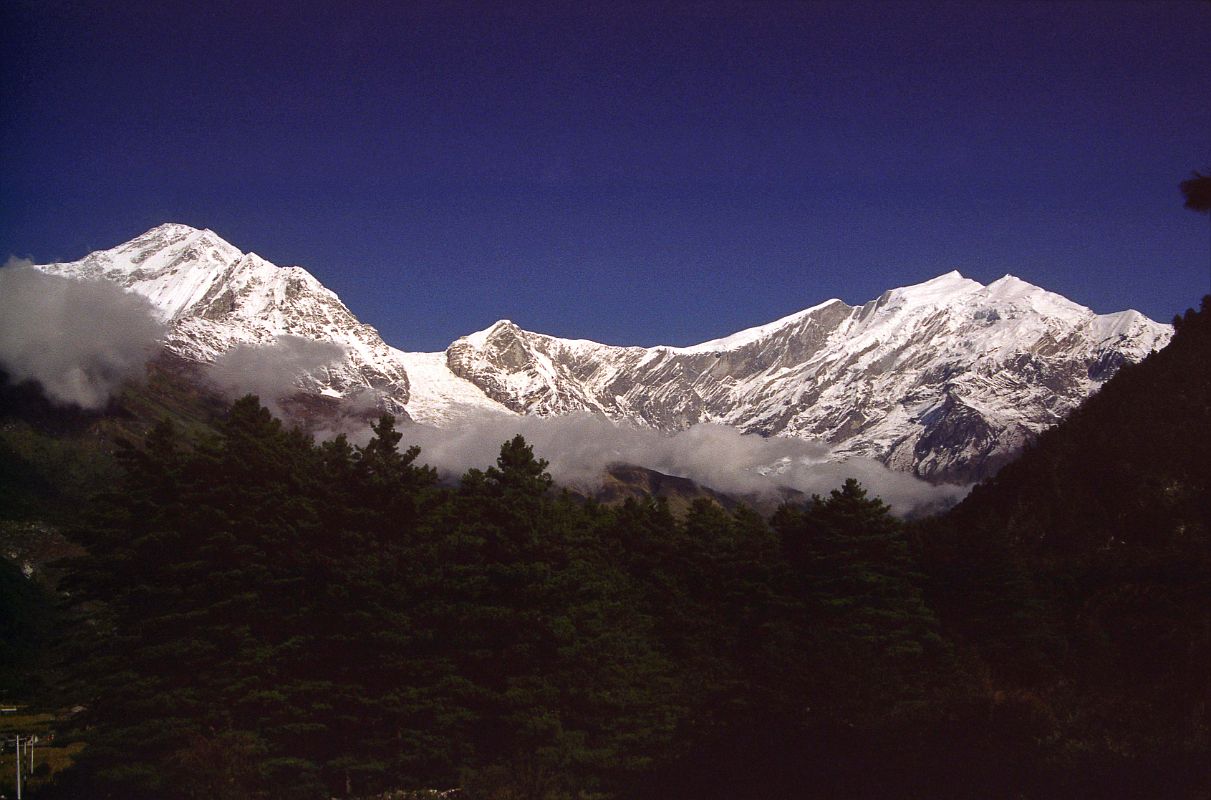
x=631, y=173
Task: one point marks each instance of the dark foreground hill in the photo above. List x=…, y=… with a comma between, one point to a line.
x=1078, y=580
x=1129, y=469
x=259, y=616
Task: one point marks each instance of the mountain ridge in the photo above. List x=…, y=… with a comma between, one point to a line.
x=945, y=379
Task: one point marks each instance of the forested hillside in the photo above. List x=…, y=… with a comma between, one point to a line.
x=1078, y=580
x=296, y=620
x=261, y=616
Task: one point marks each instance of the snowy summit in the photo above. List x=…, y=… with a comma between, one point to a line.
x=945, y=379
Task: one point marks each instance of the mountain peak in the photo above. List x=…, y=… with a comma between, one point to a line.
x=172, y=229
x=1010, y=283
x=952, y=278
x=943, y=289
x=943, y=378
x=174, y=237
x=480, y=338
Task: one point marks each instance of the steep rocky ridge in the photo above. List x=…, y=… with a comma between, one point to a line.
x=215, y=297
x=946, y=379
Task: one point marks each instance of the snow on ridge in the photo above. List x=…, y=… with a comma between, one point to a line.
x=479, y=339
x=735, y=341
x=171, y=228
x=992, y=365
x=944, y=288
x=1003, y=360
x=1013, y=291
x=1132, y=331
x=438, y=396
x=216, y=298
x=749, y=335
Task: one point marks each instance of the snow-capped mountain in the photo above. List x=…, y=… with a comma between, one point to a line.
x=946, y=379
x=215, y=297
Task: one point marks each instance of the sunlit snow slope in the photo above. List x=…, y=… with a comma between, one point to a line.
x=945, y=379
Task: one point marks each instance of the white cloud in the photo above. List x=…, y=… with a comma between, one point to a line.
x=272, y=371
x=580, y=447
x=79, y=339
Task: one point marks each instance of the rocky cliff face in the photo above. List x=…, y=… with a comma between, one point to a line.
x=215, y=298
x=946, y=379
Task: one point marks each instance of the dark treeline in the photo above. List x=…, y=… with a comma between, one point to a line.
x=261, y=616
x=271, y=617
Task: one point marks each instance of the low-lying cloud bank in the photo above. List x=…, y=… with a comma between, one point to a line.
x=580, y=447
x=81, y=339
x=78, y=339
x=272, y=371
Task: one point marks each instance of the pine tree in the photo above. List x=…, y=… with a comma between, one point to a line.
x=877, y=639
x=193, y=561
x=129, y=656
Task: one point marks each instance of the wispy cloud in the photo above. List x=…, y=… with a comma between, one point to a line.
x=272, y=371
x=78, y=339
x=580, y=447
